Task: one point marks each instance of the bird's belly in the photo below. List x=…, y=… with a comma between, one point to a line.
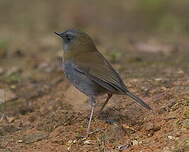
x=82, y=82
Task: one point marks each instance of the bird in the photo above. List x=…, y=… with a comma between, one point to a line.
x=89, y=71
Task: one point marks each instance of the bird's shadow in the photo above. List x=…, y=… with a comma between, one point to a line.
x=115, y=115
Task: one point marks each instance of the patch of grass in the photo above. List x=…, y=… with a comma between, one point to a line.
x=170, y=23
x=114, y=56
x=12, y=78
x=3, y=44
x=3, y=48
x=153, y=6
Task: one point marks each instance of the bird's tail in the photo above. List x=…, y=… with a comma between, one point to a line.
x=138, y=100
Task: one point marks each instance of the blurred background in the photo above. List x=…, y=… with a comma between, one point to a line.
x=153, y=17
x=108, y=19
x=145, y=40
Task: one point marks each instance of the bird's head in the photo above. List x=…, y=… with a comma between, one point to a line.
x=75, y=40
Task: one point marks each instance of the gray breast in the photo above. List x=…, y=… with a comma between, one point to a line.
x=81, y=81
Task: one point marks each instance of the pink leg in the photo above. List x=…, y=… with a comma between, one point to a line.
x=92, y=103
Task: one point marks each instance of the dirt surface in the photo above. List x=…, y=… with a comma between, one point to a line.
x=48, y=114
x=40, y=111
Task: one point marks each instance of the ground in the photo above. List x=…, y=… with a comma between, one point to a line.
x=49, y=114
x=40, y=111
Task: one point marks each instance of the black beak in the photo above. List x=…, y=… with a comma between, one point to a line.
x=59, y=34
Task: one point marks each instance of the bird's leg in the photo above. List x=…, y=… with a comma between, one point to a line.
x=107, y=99
x=92, y=104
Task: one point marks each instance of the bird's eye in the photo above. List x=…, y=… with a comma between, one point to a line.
x=69, y=37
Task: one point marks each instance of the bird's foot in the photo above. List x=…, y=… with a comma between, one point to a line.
x=89, y=134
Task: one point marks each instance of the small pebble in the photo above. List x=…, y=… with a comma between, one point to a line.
x=135, y=142
x=123, y=147
x=87, y=142
x=171, y=137
x=20, y=141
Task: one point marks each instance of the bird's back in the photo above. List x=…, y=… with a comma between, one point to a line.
x=98, y=69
